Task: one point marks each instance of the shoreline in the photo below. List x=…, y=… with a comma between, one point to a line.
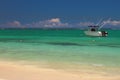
x=15, y=71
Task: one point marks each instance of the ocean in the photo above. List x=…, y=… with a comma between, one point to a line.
x=69, y=50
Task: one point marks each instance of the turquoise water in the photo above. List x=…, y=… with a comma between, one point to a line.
x=60, y=46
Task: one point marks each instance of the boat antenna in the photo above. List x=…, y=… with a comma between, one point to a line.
x=99, y=22
x=103, y=23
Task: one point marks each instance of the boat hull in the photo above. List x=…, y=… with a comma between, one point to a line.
x=94, y=33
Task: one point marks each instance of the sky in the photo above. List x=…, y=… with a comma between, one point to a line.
x=58, y=13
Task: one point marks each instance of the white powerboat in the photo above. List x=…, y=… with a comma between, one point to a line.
x=93, y=31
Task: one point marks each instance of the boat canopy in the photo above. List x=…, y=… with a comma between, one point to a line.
x=94, y=26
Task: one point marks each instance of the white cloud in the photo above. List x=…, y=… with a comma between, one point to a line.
x=14, y=24
x=51, y=23
x=113, y=23
x=85, y=24
x=55, y=22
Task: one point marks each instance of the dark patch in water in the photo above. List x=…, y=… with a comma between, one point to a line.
x=64, y=43
x=110, y=45
x=20, y=40
x=75, y=44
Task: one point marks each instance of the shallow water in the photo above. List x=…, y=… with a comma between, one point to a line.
x=61, y=48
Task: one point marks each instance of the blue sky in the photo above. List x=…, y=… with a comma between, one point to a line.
x=67, y=13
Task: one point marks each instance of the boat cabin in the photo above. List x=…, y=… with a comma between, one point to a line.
x=93, y=28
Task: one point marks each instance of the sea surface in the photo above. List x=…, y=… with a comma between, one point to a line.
x=62, y=49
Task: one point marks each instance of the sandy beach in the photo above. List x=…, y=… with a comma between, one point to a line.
x=15, y=71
